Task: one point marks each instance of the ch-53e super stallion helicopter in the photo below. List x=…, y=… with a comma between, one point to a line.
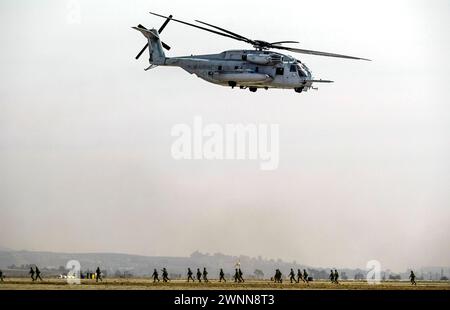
x=252, y=69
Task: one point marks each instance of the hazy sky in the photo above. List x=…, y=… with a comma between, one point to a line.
x=364, y=173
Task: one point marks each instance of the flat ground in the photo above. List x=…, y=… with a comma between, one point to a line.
x=146, y=284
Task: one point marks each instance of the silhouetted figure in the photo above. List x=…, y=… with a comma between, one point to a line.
x=1, y=275
x=305, y=276
x=98, y=275
x=412, y=277
x=38, y=274
x=222, y=276
x=165, y=275
x=336, y=276
x=236, y=276
x=32, y=274
x=292, y=276
x=331, y=276
x=155, y=276
x=199, y=275
x=241, y=279
x=278, y=276
x=299, y=276
x=189, y=274
x=205, y=275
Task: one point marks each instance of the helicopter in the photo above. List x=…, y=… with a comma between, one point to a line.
x=259, y=68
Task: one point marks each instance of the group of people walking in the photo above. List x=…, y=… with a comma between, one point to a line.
x=35, y=274
x=238, y=276
x=200, y=275
x=165, y=275
x=294, y=278
x=334, y=276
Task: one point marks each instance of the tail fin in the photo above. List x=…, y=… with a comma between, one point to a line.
x=157, y=56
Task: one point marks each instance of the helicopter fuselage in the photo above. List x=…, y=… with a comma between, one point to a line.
x=247, y=69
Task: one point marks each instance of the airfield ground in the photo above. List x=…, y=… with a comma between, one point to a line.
x=146, y=284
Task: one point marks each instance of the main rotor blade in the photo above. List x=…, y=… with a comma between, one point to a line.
x=165, y=24
x=226, y=31
x=195, y=26
x=318, y=53
x=280, y=42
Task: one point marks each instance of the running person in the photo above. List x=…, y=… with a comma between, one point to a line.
x=165, y=275
x=292, y=276
x=205, y=275
x=236, y=276
x=38, y=274
x=32, y=273
x=299, y=276
x=155, y=276
x=412, y=277
x=305, y=276
x=199, y=275
x=189, y=274
x=331, y=276
x=336, y=276
x=241, y=279
x=222, y=276
x=98, y=275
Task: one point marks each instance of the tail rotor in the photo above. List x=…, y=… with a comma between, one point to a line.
x=167, y=47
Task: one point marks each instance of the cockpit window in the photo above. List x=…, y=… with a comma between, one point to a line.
x=287, y=58
x=293, y=68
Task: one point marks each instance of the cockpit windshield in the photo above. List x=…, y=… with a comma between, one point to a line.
x=301, y=71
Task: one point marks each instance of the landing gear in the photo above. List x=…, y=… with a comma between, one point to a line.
x=253, y=89
x=232, y=84
x=298, y=89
